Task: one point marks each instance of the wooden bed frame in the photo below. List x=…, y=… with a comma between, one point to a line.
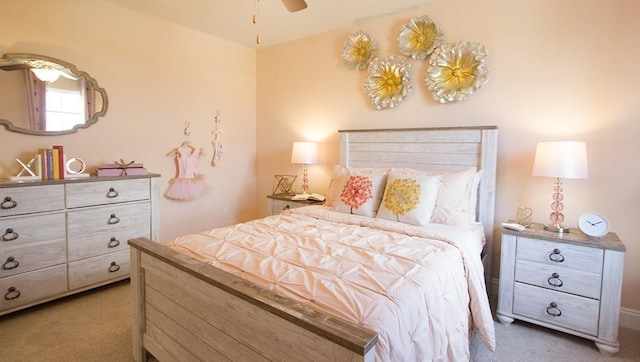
x=187, y=310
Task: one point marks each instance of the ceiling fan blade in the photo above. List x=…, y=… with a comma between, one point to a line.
x=294, y=5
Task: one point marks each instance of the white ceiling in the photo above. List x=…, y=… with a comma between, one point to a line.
x=232, y=19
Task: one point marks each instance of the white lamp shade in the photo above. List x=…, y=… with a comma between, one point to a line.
x=564, y=159
x=304, y=153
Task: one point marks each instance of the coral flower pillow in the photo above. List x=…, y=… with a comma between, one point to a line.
x=361, y=194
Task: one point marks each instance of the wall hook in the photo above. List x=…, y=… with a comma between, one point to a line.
x=186, y=129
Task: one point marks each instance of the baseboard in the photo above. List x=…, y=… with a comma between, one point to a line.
x=629, y=318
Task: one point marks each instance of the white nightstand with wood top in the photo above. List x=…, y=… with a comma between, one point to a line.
x=279, y=203
x=568, y=282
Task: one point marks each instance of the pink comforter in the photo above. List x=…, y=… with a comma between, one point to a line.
x=420, y=288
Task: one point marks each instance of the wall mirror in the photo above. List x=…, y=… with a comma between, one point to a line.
x=44, y=96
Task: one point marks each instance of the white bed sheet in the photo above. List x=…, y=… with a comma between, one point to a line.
x=420, y=288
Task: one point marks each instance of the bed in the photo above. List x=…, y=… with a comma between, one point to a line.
x=213, y=296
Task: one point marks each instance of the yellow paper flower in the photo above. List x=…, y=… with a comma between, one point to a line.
x=456, y=71
x=388, y=81
x=419, y=37
x=358, y=50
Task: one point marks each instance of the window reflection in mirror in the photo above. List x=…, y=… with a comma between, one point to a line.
x=59, y=101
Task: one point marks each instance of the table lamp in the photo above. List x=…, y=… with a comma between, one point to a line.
x=305, y=153
x=564, y=159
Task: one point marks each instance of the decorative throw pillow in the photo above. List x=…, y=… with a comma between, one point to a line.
x=409, y=199
x=339, y=178
x=361, y=194
x=456, y=201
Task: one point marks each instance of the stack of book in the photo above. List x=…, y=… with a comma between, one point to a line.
x=52, y=162
x=114, y=169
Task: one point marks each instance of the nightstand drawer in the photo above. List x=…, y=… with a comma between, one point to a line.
x=281, y=205
x=560, y=254
x=559, y=278
x=573, y=312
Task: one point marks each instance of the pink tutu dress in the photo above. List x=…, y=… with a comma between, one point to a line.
x=189, y=184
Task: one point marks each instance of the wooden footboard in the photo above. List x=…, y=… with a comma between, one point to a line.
x=186, y=310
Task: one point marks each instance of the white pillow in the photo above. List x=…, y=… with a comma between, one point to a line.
x=409, y=199
x=361, y=194
x=453, y=204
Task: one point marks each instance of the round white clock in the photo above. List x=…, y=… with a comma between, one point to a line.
x=593, y=224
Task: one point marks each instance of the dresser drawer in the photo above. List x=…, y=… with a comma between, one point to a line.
x=98, y=269
x=565, y=255
x=31, y=229
x=23, y=258
x=101, y=220
x=576, y=313
x=106, y=192
x=558, y=278
x=30, y=199
x=105, y=242
x=26, y=288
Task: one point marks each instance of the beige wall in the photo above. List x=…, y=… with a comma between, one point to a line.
x=560, y=70
x=158, y=76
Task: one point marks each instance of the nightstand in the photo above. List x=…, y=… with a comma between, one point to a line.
x=279, y=203
x=568, y=282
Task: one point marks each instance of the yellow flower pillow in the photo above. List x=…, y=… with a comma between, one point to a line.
x=409, y=199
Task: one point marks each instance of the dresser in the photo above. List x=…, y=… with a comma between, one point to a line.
x=62, y=237
x=279, y=203
x=568, y=282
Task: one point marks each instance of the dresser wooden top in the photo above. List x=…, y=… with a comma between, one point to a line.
x=8, y=183
x=576, y=237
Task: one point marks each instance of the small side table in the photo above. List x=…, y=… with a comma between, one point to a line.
x=569, y=282
x=279, y=203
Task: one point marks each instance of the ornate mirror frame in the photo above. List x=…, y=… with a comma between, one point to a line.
x=12, y=61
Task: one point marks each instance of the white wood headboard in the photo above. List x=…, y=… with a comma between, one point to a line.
x=432, y=149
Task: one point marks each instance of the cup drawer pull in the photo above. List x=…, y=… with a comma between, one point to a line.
x=11, y=263
x=8, y=203
x=112, y=193
x=12, y=293
x=113, y=219
x=113, y=243
x=553, y=310
x=114, y=267
x=555, y=280
x=556, y=256
x=9, y=235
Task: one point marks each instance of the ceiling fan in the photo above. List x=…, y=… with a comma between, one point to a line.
x=294, y=5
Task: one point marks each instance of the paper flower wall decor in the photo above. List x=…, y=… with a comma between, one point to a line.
x=456, y=71
x=358, y=50
x=388, y=81
x=419, y=37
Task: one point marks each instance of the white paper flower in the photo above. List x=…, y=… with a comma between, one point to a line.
x=456, y=71
x=388, y=81
x=358, y=50
x=419, y=37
